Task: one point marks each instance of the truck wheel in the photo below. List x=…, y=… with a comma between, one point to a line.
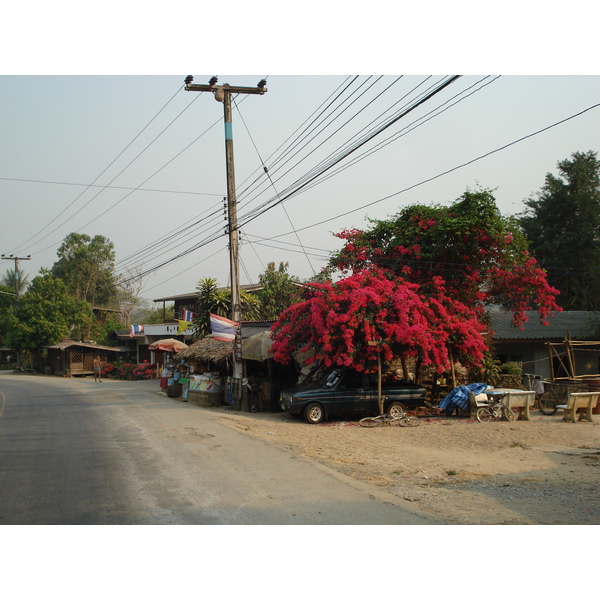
x=314, y=413
x=395, y=409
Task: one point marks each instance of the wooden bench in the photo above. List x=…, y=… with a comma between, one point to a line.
x=585, y=401
x=522, y=400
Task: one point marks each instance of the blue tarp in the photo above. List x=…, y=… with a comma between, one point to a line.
x=459, y=397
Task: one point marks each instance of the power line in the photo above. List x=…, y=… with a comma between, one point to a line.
x=97, y=177
x=201, y=244
x=446, y=172
x=267, y=173
x=108, y=187
x=356, y=147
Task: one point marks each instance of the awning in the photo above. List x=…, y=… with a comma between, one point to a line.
x=168, y=345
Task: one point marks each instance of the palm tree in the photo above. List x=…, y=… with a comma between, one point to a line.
x=211, y=299
x=15, y=281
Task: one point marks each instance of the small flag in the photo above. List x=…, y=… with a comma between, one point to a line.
x=183, y=325
x=135, y=329
x=187, y=315
x=223, y=329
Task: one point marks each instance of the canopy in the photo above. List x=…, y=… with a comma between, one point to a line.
x=168, y=345
x=257, y=346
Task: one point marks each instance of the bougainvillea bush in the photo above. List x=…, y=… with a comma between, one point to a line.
x=130, y=371
x=417, y=285
x=340, y=319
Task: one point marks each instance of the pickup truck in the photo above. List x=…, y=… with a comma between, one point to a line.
x=346, y=393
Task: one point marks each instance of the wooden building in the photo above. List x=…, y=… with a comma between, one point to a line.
x=76, y=358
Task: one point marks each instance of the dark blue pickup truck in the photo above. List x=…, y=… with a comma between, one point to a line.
x=346, y=393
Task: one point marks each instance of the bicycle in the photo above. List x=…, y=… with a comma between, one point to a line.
x=401, y=420
x=495, y=411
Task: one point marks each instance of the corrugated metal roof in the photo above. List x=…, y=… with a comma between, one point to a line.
x=579, y=324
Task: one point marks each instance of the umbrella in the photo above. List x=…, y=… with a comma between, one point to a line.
x=168, y=345
x=257, y=346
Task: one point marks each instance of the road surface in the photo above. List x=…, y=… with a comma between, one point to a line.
x=74, y=452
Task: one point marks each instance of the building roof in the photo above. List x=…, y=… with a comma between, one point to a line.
x=250, y=287
x=247, y=287
x=577, y=324
x=69, y=343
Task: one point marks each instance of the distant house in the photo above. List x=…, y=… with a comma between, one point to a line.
x=76, y=358
x=542, y=349
x=183, y=302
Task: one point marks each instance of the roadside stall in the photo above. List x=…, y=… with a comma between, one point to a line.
x=172, y=372
x=207, y=364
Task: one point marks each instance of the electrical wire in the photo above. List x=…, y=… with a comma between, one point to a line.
x=97, y=177
x=266, y=171
x=109, y=187
x=438, y=89
x=441, y=87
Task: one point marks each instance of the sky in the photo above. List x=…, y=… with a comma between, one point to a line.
x=141, y=161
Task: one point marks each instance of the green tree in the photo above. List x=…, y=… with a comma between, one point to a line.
x=562, y=223
x=45, y=314
x=10, y=280
x=86, y=265
x=146, y=312
x=7, y=301
x=280, y=290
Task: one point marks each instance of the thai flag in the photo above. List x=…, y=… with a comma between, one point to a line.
x=187, y=315
x=135, y=329
x=223, y=329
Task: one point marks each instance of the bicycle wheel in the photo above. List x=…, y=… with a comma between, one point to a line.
x=509, y=414
x=484, y=415
x=409, y=422
x=370, y=422
x=547, y=404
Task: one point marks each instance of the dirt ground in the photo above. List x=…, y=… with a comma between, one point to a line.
x=544, y=471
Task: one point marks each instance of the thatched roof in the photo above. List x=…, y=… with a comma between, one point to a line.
x=207, y=349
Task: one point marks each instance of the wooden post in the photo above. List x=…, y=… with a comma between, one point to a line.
x=379, y=396
x=452, y=368
x=570, y=356
x=549, y=346
x=404, y=371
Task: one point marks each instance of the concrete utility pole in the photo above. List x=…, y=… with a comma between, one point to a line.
x=223, y=93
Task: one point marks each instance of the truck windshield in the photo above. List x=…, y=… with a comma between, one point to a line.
x=333, y=378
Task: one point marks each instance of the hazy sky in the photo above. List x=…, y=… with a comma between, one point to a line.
x=96, y=155
x=141, y=161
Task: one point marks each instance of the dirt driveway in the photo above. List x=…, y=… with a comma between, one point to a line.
x=543, y=471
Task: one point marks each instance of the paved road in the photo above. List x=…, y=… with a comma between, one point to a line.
x=73, y=451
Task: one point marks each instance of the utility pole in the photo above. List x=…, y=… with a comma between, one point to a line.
x=17, y=286
x=223, y=93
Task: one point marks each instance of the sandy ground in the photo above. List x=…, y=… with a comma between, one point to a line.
x=543, y=471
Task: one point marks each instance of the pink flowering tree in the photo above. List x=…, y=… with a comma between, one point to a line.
x=339, y=320
x=417, y=285
x=481, y=256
